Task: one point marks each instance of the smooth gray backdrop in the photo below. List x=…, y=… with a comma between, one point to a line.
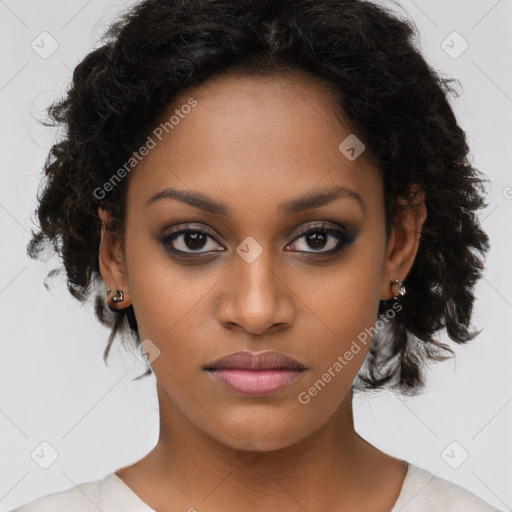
x=54, y=387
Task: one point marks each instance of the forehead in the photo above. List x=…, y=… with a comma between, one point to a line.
x=249, y=135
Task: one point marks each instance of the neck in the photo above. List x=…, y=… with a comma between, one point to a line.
x=331, y=466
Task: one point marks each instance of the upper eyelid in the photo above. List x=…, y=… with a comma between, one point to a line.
x=320, y=225
x=303, y=230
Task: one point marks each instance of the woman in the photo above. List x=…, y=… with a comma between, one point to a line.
x=275, y=202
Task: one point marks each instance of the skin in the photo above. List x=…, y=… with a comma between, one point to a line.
x=253, y=143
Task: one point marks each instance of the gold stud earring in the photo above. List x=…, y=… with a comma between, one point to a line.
x=118, y=296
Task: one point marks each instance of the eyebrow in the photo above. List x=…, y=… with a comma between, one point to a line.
x=290, y=207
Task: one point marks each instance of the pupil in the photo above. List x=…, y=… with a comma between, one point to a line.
x=317, y=239
x=193, y=240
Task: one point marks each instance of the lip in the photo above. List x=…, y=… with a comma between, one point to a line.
x=247, y=360
x=255, y=374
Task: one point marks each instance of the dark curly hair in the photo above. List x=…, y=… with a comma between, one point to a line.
x=396, y=103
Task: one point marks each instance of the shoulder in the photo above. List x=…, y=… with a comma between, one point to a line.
x=84, y=497
x=424, y=492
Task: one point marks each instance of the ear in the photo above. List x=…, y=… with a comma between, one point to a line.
x=112, y=266
x=403, y=243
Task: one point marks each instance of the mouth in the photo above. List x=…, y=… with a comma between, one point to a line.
x=255, y=374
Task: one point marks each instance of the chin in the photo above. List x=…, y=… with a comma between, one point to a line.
x=263, y=433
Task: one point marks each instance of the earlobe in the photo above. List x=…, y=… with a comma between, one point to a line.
x=112, y=267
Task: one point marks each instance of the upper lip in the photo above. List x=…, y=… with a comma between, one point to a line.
x=246, y=360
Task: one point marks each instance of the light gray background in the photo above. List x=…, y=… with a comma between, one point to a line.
x=53, y=384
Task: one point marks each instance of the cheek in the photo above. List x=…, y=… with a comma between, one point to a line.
x=169, y=308
x=164, y=294
x=346, y=298
x=345, y=310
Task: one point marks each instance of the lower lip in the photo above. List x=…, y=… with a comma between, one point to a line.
x=255, y=382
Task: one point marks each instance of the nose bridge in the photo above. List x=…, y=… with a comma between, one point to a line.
x=256, y=298
x=255, y=272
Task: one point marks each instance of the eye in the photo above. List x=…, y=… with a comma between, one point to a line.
x=190, y=240
x=323, y=239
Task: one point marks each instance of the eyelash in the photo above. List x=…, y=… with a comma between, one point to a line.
x=344, y=237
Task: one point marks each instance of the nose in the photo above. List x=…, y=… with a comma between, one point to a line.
x=255, y=297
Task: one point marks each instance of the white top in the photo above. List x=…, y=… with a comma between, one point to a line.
x=421, y=492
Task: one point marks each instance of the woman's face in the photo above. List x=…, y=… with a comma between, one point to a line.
x=264, y=275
